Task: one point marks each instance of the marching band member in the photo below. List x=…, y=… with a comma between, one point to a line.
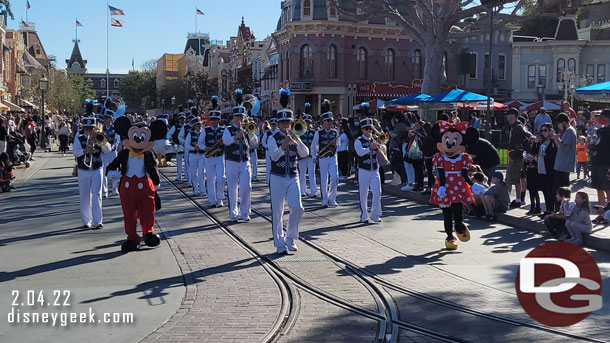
x=210, y=141
x=237, y=155
x=265, y=141
x=368, y=172
x=285, y=147
x=306, y=164
x=196, y=161
x=186, y=128
x=324, y=151
x=89, y=161
x=172, y=135
x=113, y=139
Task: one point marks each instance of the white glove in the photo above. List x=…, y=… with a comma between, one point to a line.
x=441, y=191
x=157, y=187
x=114, y=175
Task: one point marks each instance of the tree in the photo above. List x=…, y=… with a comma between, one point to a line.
x=65, y=93
x=7, y=5
x=200, y=87
x=429, y=23
x=139, y=89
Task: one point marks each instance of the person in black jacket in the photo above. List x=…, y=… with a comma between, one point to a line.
x=485, y=155
x=547, y=151
x=139, y=180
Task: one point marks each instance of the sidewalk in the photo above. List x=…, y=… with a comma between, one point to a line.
x=599, y=239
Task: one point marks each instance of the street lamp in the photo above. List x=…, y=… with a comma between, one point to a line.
x=42, y=83
x=491, y=4
x=173, y=103
x=163, y=104
x=540, y=87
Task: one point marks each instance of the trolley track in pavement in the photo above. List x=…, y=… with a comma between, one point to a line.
x=387, y=315
x=375, y=281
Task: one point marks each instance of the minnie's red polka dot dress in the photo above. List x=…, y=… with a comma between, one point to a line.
x=458, y=190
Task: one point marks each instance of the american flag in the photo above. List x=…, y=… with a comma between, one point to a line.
x=199, y=12
x=24, y=23
x=116, y=22
x=78, y=23
x=115, y=11
x=29, y=4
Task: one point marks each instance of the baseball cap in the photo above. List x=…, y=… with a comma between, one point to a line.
x=498, y=175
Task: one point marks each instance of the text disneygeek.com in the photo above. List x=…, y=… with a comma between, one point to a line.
x=28, y=308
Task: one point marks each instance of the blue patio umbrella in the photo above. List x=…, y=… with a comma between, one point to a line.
x=596, y=88
x=411, y=99
x=457, y=95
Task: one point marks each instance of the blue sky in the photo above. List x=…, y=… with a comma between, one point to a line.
x=151, y=27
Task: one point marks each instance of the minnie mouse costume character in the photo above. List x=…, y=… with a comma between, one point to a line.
x=140, y=179
x=452, y=186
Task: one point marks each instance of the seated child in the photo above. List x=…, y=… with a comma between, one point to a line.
x=579, y=221
x=496, y=199
x=556, y=222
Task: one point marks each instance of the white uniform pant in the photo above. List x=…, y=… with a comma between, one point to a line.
x=90, y=191
x=306, y=165
x=215, y=171
x=238, y=177
x=285, y=190
x=328, y=165
x=254, y=163
x=187, y=167
x=179, y=165
x=197, y=166
x=366, y=179
x=267, y=166
x=107, y=158
x=2, y=146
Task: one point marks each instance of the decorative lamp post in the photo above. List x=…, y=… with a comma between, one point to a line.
x=163, y=105
x=43, y=84
x=173, y=103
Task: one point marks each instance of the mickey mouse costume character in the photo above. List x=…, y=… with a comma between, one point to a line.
x=452, y=185
x=140, y=179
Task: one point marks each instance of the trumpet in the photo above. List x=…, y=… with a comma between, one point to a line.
x=299, y=127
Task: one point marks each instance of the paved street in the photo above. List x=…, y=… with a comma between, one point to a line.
x=43, y=248
x=211, y=283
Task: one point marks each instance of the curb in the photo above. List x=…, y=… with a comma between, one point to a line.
x=590, y=241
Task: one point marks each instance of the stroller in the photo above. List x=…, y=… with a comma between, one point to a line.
x=19, y=149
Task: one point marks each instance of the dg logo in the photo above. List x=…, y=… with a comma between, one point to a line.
x=559, y=284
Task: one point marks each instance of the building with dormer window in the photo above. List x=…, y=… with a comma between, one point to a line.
x=325, y=54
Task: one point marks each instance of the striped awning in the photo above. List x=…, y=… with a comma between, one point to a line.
x=3, y=107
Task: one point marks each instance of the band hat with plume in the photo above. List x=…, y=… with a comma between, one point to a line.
x=239, y=109
x=307, y=116
x=88, y=121
x=215, y=113
x=326, y=113
x=366, y=122
x=285, y=114
x=273, y=121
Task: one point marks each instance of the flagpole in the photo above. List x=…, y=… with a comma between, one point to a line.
x=197, y=32
x=27, y=9
x=107, y=69
x=76, y=29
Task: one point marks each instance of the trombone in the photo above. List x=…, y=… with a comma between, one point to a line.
x=299, y=127
x=381, y=138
